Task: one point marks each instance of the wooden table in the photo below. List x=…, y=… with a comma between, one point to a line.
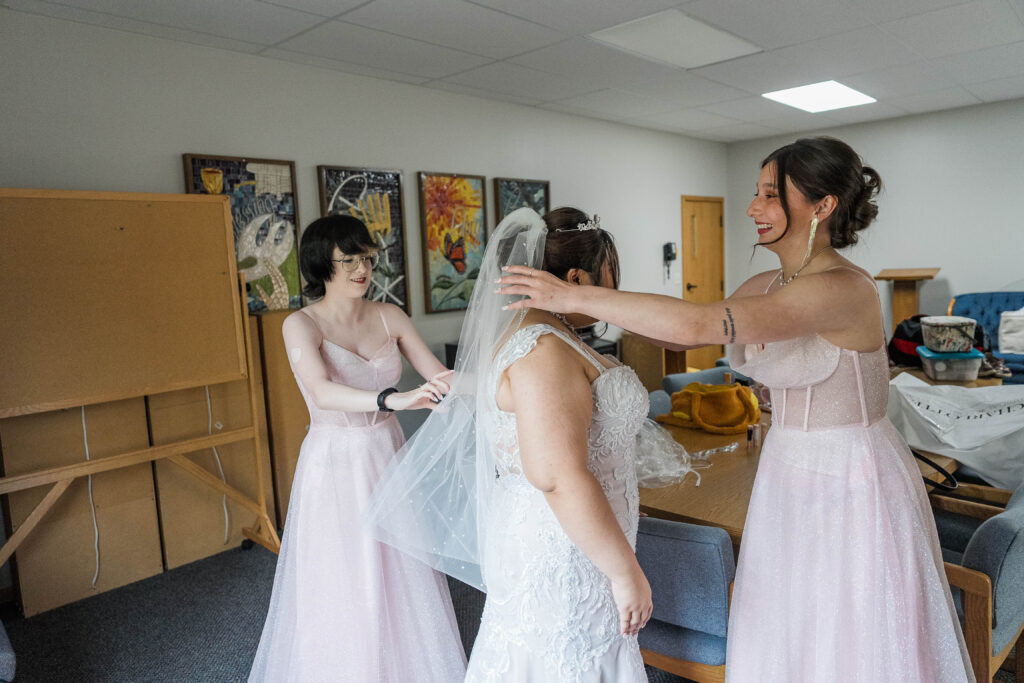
x=724, y=493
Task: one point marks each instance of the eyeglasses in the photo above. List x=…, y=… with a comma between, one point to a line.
x=351, y=263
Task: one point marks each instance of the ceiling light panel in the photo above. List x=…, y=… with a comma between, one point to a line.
x=816, y=97
x=673, y=38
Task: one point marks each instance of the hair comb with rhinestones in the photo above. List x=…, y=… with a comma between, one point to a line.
x=591, y=224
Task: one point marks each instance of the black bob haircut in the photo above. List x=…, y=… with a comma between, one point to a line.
x=316, y=249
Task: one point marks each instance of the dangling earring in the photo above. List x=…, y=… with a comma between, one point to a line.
x=810, y=241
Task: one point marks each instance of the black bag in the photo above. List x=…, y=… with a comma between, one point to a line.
x=908, y=336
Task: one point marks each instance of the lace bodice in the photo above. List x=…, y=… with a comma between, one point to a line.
x=544, y=594
x=816, y=384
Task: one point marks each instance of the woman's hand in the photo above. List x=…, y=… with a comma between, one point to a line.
x=632, y=596
x=542, y=289
x=426, y=395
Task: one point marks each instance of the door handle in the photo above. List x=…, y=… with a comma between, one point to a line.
x=690, y=286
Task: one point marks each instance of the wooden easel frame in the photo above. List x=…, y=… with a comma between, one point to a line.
x=262, y=530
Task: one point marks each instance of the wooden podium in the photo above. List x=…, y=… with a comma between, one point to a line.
x=904, y=290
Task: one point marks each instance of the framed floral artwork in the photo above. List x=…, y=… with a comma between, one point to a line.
x=374, y=196
x=515, y=193
x=264, y=218
x=453, y=219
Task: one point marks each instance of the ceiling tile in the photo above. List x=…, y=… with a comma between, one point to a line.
x=618, y=103
x=578, y=17
x=456, y=24
x=853, y=52
x=684, y=88
x=687, y=119
x=325, y=8
x=460, y=89
x=358, y=69
x=950, y=98
x=520, y=81
x=778, y=23
x=247, y=20
x=900, y=80
x=749, y=109
x=589, y=61
x=359, y=45
x=872, y=111
x=742, y=131
x=971, y=26
x=886, y=10
x=121, y=23
x=998, y=89
x=800, y=122
x=766, y=72
x=984, y=65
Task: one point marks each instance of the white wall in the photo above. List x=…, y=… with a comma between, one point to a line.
x=96, y=109
x=953, y=183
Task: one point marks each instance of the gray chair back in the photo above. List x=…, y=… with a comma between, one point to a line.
x=997, y=549
x=660, y=403
x=690, y=568
x=673, y=383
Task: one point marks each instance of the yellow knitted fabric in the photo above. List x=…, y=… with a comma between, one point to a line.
x=715, y=408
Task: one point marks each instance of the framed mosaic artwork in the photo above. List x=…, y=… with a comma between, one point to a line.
x=374, y=196
x=264, y=219
x=453, y=220
x=515, y=193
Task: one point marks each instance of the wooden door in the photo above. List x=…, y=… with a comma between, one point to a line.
x=703, y=264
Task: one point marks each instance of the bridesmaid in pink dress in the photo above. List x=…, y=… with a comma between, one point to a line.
x=840, y=575
x=345, y=607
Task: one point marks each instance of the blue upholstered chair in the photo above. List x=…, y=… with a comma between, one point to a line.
x=985, y=307
x=661, y=403
x=690, y=569
x=983, y=546
x=7, y=660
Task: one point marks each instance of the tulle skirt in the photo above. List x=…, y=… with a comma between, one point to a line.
x=345, y=607
x=840, y=574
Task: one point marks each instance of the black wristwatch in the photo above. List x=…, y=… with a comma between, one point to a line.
x=380, y=400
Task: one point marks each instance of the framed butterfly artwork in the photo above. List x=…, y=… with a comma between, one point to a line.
x=453, y=219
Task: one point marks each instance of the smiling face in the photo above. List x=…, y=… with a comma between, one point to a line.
x=766, y=209
x=355, y=282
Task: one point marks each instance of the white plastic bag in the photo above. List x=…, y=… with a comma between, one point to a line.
x=1011, y=331
x=982, y=428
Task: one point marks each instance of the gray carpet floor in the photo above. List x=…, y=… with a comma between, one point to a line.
x=200, y=622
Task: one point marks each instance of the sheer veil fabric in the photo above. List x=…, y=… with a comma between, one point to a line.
x=432, y=500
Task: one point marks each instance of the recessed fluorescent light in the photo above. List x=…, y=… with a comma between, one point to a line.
x=674, y=38
x=823, y=96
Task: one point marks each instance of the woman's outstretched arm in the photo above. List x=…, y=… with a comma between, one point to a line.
x=807, y=306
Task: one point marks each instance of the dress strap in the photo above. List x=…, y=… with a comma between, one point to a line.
x=385, y=322
x=524, y=339
x=772, y=281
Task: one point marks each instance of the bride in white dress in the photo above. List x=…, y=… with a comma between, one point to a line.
x=523, y=482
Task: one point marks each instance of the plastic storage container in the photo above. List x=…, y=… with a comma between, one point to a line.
x=958, y=367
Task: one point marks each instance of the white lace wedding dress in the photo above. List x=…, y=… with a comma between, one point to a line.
x=549, y=615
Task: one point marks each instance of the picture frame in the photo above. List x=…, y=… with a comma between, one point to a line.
x=453, y=224
x=265, y=222
x=374, y=196
x=514, y=193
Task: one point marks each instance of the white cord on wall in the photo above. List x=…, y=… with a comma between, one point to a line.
x=216, y=455
x=92, y=506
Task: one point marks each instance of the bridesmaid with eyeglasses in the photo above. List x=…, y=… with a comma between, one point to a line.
x=344, y=606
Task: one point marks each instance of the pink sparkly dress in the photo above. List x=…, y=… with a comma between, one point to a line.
x=345, y=607
x=840, y=575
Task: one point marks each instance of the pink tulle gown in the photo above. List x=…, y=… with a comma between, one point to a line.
x=345, y=607
x=840, y=575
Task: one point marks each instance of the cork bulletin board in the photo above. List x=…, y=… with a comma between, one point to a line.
x=106, y=296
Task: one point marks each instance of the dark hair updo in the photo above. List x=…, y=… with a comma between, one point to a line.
x=825, y=166
x=567, y=247
x=316, y=248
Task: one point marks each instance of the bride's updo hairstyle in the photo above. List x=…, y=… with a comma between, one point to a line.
x=567, y=246
x=823, y=166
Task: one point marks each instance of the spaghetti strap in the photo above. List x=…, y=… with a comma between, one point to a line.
x=772, y=281
x=385, y=322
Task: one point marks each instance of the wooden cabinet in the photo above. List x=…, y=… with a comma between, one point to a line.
x=650, y=362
